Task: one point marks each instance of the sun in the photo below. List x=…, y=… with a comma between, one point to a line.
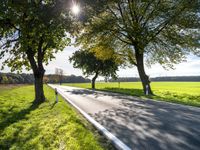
x=75, y=9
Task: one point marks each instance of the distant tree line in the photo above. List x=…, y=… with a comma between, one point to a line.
x=177, y=78
x=12, y=78
x=125, y=79
x=65, y=79
x=169, y=78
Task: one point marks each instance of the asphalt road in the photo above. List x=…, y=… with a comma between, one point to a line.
x=141, y=124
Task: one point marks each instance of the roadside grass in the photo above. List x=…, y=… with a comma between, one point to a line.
x=187, y=93
x=47, y=126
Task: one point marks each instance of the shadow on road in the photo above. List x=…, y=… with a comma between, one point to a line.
x=146, y=125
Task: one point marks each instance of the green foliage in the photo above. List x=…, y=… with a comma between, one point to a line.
x=164, y=30
x=32, y=31
x=90, y=64
x=50, y=126
x=186, y=93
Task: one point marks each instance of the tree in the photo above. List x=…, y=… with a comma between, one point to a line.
x=31, y=32
x=155, y=31
x=59, y=74
x=91, y=65
x=5, y=79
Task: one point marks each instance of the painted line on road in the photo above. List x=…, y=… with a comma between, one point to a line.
x=118, y=143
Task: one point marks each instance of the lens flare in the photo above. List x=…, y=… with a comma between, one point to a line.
x=75, y=9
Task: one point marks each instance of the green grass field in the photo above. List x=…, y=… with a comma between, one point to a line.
x=47, y=126
x=187, y=93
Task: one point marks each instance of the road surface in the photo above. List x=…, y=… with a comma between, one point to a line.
x=141, y=124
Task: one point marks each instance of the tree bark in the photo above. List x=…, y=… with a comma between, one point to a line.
x=39, y=92
x=140, y=67
x=93, y=80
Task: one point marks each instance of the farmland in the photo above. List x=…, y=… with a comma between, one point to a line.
x=187, y=93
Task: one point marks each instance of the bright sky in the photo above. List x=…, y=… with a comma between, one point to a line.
x=191, y=67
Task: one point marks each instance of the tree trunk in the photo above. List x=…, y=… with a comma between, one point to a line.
x=93, y=80
x=144, y=78
x=38, y=70
x=39, y=92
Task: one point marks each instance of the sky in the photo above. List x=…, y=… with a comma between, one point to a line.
x=189, y=68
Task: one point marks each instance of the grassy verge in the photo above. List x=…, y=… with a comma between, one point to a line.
x=187, y=93
x=48, y=126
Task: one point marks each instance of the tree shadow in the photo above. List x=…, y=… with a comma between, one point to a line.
x=146, y=125
x=17, y=116
x=53, y=104
x=137, y=94
x=107, y=92
x=133, y=92
x=21, y=140
x=173, y=97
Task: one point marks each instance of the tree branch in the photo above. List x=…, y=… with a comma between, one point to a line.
x=30, y=55
x=150, y=14
x=145, y=10
x=44, y=50
x=132, y=13
x=40, y=58
x=8, y=42
x=8, y=23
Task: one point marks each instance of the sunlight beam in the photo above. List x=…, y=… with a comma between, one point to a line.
x=75, y=9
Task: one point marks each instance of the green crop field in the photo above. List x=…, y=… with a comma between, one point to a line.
x=47, y=126
x=187, y=93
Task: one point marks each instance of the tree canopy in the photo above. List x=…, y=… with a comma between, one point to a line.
x=91, y=65
x=154, y=31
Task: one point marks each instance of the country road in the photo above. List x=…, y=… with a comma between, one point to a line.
x=141, y=124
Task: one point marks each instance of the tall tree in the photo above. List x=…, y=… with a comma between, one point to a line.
x=153, y=31
x=59, y=74
x=31, y=32
x=92, y=65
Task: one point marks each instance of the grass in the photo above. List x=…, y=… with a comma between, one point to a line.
x=47, y=126
x=187, y=93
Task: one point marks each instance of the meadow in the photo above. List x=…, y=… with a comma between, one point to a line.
x=187, y=93
x=49, y=125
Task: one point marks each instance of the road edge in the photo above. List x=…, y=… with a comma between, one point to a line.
x=117, y=143
x=139, y=98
